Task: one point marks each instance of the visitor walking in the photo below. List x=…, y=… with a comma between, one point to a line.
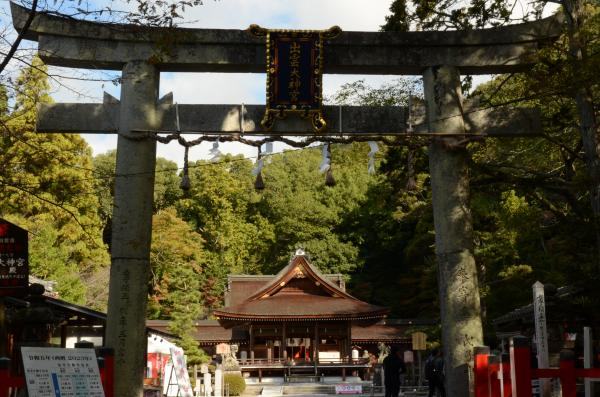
x=434, y=373
x=393, y=367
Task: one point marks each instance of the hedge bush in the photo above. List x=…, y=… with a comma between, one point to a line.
x=236, y=383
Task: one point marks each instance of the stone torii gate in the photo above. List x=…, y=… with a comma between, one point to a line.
x=439, y=56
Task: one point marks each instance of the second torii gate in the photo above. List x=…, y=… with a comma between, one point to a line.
x=439, y=56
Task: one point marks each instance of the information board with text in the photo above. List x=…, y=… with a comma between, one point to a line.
x=56, y=372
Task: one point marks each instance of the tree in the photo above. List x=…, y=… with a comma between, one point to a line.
x=166, y=186
x=219, y=207
x=179, y=268
x=47, y=183
x=567, y=69
x=306, y=213
x=393, y=227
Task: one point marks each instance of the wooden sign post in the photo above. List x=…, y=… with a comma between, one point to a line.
x=419, y=343
x=541, y=335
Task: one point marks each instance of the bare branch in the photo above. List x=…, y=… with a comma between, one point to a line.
x=19, y=38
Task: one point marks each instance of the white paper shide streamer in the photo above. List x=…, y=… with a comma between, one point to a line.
x=268, y=151
x=326, y=161
x=259, y=184
x=374, y=149
x=260, y=163
x=215, y=152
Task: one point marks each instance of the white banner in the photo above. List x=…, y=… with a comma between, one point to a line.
x=181, y=373
x=348, y=389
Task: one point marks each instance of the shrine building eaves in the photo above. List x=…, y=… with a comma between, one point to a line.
x=73, y=43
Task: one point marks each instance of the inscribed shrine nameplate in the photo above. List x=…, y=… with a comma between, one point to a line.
x=295, y=74
x=56, y=372
x=14, y=262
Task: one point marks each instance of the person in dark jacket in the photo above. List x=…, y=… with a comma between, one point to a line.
x=393, y=366
x=434, y=373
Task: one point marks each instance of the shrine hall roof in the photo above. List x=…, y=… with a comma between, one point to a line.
x=300, y=291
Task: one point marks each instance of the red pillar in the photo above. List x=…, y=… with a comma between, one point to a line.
x=520, y=366
x=4, y=375
x=481, y=371
x=506, y=382
x=493, y=376
x=108, y=378
x=567, y=373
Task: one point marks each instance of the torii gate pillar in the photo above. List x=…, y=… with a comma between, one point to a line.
x=132, y=228
x=457, y=273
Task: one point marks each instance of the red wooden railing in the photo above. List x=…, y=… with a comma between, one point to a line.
x=9, y=383
x=511, y=377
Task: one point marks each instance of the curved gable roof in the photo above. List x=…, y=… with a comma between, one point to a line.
x=299, y=267
x=289, y=296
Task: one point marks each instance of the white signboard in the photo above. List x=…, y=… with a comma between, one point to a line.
x=329, y=357
x=181, y=373
x=348, y=389
x=56, y=372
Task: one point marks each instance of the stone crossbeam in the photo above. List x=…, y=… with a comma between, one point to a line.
x=226, y=119
x=72, y=43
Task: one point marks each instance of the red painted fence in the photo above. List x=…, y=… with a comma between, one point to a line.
x=106, y=364
x=511, y=376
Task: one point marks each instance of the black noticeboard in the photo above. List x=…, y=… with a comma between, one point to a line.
x=14, y=259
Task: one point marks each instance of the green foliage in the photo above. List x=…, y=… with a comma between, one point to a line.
x=455, y=14
x=306, y=213
x=219, y=207
x=177, y=272
x=47, y=182
x=166, y=186
x=235, y=383
x=529, y=197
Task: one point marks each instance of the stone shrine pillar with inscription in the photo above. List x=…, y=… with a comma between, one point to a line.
x=457, y=273
x=132, y=227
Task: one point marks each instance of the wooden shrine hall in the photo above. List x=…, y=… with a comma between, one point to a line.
x=299, y=322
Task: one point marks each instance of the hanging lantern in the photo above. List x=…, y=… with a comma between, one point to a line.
x=259, y=184
x=329, y=179
x=185, y=184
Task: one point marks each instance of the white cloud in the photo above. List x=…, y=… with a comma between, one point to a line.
x=290, y=14
x=214, y=87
